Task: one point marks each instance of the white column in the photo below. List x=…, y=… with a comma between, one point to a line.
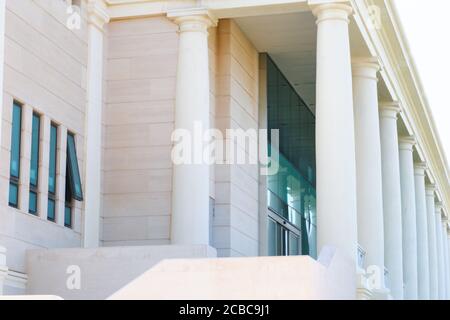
x=440, y=251
x=446, y=262
x=93, y=124
x=3, y=268
x=2, y=60
x=190, y=194
x=392, y=204
x=409, y=229
x=335, y=136
x=448, y=266
x=61, y=173
x=423, y=263
x=432, y=246
x=368, y=160
x=44, y=160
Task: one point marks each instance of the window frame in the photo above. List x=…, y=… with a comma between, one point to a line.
x=13, y=179
x=34, y=185
x=52, y=193
x=73, y=173
x=72, y=177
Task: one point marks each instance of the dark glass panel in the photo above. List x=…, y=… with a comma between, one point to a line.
x=34, y=163
x=291, y=192
x=52, y=163
x=13, y=195
x=15, y=140
x=271, y=235
x=68, y=216
x=32, y=206
x=51, y=210
x=73, y=173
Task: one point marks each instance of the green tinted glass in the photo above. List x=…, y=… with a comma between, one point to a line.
x=51, y=210
x=34, y=163
x=15, y=140
x=13, y=195
x=272, y=240
x=68, y=217
x=52, y=161
x=32, y=206
x=74, y=172
x=291, y=192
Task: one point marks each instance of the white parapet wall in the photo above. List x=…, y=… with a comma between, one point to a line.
x=185, y=272
x=261, y=278
x=98, y=273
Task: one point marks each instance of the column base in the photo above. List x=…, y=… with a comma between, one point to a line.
x=3, y=274
x=364, y=291
x=382, y=294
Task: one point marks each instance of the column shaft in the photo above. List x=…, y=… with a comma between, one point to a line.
x=409, y=229
x=93, y=125
x=190, y=194
x=446, y=262
x=2, y=60
x=392, y=204
x=448, y=265
x=440, y=252
x=368, y=161
x=423, y=264
x=432, y=245
x=335, y=136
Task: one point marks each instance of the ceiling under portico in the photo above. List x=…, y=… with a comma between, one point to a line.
x=290, y=40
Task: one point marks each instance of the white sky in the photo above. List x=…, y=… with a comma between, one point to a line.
x=427, y=27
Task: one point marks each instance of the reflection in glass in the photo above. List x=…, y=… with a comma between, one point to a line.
x=291, y=192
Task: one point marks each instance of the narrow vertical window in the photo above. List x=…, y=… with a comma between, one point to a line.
x=15, y=155
x=51, y=207
x=73, y=180
x=34, y=164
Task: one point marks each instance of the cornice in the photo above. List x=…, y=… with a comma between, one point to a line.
x=404, y=85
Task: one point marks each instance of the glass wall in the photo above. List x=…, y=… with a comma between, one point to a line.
x=291, y=192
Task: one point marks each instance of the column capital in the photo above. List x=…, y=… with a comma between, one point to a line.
x=97, y=13
x=419, y=168
x=439, y=205
x=407, y=142
x=193, y=19
x=365, y=67
x=390, y=109
x=331, y=10
x=430, y=189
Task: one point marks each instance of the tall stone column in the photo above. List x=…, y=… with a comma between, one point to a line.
x=392, y=204
x=409, y=228
x=190, y=194
x=2, y=59
x=423, y=263
x=446, y=262
x=432, y=245
x=368, y=161
x=335, y=136
x=3, y=268
x=448, y=268
x=97, y=17
x=440, y=251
